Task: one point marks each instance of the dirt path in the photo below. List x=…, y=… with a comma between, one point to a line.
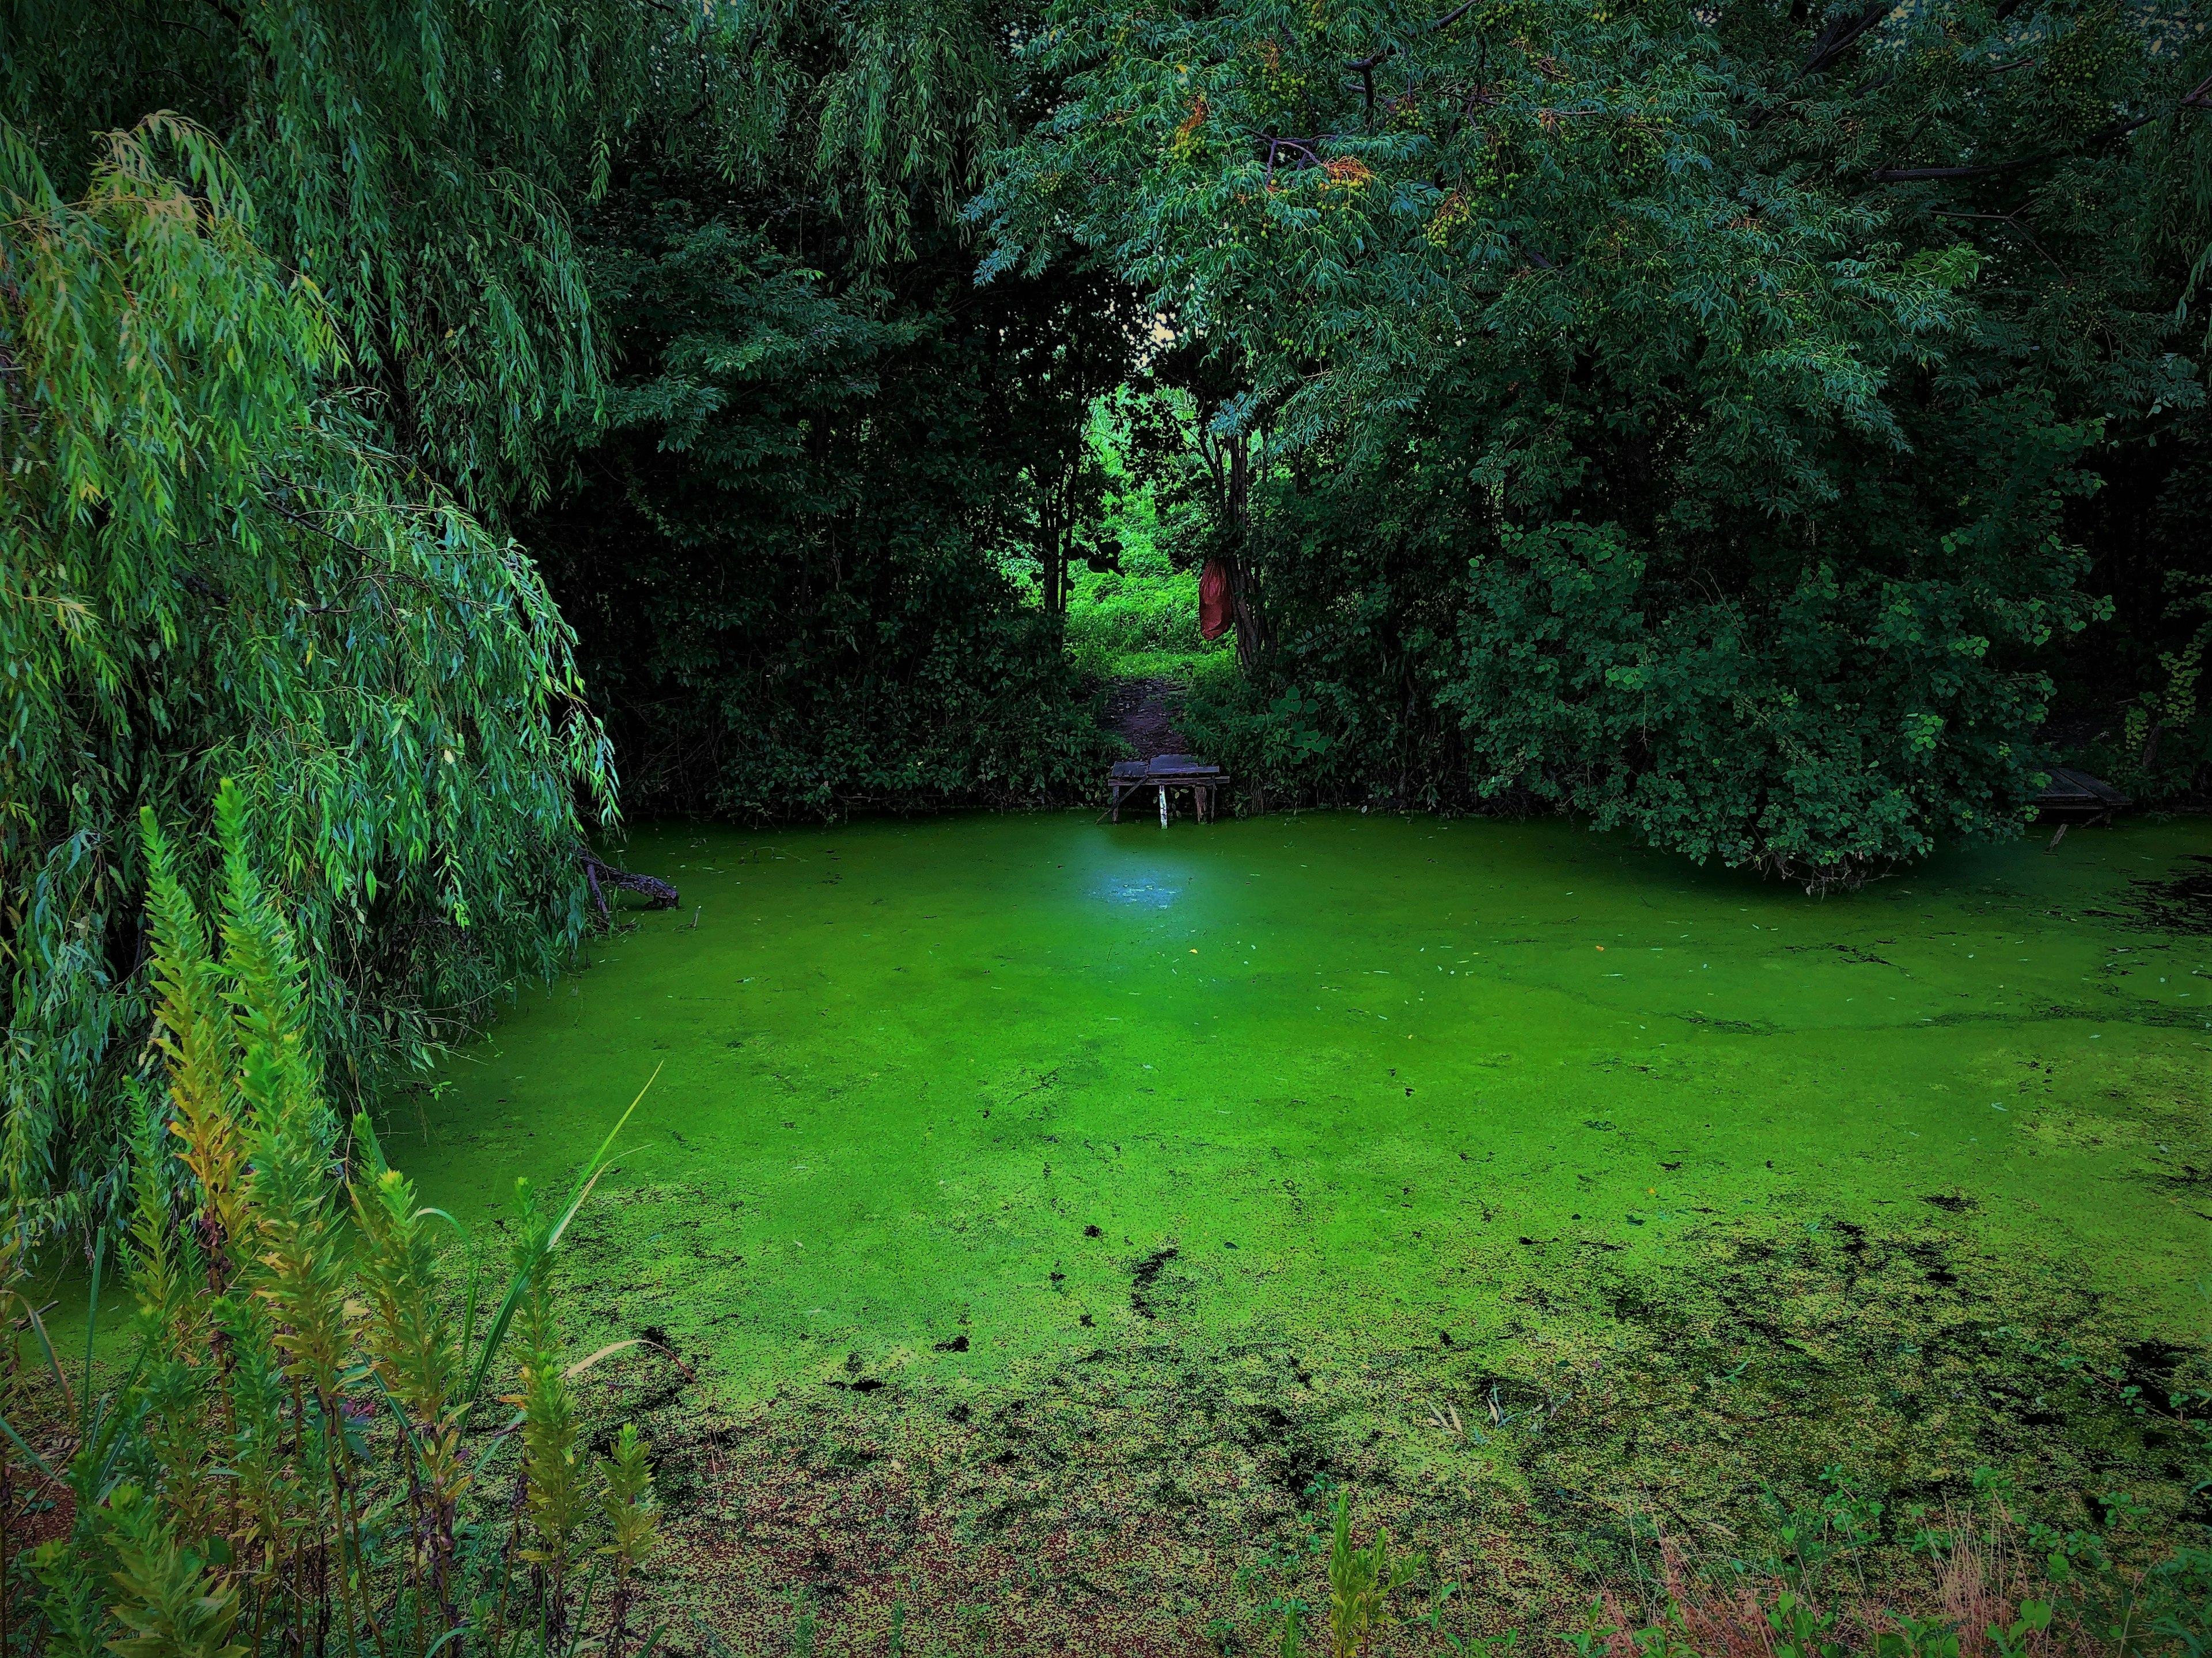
x=1142, y=711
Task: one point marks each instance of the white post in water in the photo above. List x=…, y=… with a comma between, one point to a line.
x=1164, y=806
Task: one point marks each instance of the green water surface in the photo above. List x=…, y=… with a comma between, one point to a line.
x=1352, y=1071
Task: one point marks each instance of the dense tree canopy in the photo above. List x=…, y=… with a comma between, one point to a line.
x=789, y=552
x=1676, y=410
x=276, y=360
x=417, y=163
x=793, y=549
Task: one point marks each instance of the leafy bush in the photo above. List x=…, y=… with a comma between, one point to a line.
x=1132, y=624
x=287, y=1459
x=1360, y=1584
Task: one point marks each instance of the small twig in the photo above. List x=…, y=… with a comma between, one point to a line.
x=2012, y=219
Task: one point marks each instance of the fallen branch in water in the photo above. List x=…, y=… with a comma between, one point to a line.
x=664, y=896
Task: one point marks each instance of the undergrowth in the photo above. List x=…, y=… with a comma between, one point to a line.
x=324, y=1440
x=1140, y=621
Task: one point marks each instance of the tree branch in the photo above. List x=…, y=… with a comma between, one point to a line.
x=1907, y=175
x=1531, y=254
x=2011, y=219
x=1841, y=35
x=1913, y=175
x=1364, y=65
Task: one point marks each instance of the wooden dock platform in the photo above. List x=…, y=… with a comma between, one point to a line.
x=2074, y=797
x=1162, y=773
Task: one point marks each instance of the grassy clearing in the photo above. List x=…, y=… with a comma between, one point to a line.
x=1139, y=622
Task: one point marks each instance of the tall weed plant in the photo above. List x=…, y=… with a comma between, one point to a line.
x=298, y=1456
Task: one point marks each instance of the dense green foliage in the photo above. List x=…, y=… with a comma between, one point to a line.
x=417, y=163
x=1139, y=616
x=1673, y=414
x=208, y=566
x=302, y=341
x=1746, y=424
x=285, y=1452
x=794, y=550
x=792, y=554
x=306, y=335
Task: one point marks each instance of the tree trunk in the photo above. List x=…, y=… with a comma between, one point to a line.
x=1244, y=596
x=1244, y=607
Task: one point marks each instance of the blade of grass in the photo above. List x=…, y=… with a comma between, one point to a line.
x=607, y=1351
x=37, y=1461
x=53, y=1358
x=111, y=1423
x=91, y=1329
x=587, y=1177
x=583, y=1613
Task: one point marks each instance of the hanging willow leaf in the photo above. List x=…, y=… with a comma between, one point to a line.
x=208, y=568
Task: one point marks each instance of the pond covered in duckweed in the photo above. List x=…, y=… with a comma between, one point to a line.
x=1129, y=1186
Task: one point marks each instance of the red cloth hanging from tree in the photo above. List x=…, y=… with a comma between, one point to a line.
x=1214, y=600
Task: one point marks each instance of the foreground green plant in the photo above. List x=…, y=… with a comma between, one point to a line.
x=1360, y=1584
x=287, y=1460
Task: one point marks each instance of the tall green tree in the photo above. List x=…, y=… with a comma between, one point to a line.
x=1682, y=406
x=796, y=549
x=209, y=566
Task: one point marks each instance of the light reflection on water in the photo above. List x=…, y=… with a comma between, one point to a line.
x=1146, y=894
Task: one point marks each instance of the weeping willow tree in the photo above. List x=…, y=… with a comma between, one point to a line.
x=253, y=452
x=418, y=163
x=209, y=566
x=275, y=361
